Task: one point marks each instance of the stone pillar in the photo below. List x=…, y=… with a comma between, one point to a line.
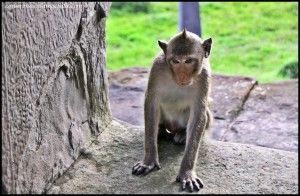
x=54, y=89
x=189, y=17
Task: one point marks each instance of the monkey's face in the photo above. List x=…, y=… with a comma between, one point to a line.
x=184, y=69
x=184, y=54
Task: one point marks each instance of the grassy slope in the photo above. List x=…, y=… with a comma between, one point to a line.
x=251, y=39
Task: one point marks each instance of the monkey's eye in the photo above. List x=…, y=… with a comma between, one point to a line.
x=188, y=61
x=175, y=61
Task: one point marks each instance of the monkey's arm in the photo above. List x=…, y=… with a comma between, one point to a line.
x=195, y=130
x=152, y=115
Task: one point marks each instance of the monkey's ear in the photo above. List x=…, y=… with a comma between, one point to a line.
x=163, y=45
x=207, y=46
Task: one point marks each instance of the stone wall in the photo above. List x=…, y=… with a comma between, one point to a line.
x=54, y=89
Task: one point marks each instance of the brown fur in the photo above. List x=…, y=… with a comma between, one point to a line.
x=177, y=100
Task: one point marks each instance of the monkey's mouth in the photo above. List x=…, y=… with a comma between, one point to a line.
x=182, y=83
x=185, y=83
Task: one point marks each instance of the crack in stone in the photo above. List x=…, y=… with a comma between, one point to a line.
x=236, y=112
x=100, y=12
x=70, y=135
x=81, y=22
x=245, y=98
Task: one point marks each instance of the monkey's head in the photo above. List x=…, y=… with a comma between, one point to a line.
x=184, y=55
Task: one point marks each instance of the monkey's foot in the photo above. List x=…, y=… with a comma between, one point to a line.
x=190, y=180
x=141, y=168
x=179, y=138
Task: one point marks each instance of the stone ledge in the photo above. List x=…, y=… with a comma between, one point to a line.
x=105, y=167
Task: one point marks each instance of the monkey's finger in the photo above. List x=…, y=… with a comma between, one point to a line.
x=134, y=171
x=200, y=182
x=183, y=184
x=148, y=169
x=136, y=164
x=157, y=165
x=135, y=168
x=196, y=185
x=190, y=186
x=140, y=170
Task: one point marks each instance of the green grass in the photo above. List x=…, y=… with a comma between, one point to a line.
x=249, y=39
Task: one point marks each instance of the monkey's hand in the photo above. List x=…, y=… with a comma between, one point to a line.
x=144, y=169
x=189, y=179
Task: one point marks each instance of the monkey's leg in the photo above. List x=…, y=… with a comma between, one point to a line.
x=209, y=117
x=180, y=137
x=187, y=175
x=150, y=161
x=180, y=127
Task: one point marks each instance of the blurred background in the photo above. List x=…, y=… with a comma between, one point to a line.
x=258, y=39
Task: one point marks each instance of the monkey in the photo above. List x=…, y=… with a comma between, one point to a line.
x=177, y=101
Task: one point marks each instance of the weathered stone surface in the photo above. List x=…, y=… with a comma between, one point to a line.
x=127, y=92
x=229, y=94
x=105, y=167
x=269, y=117
x=53, y=62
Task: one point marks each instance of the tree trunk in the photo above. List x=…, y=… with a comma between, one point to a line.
x=54, y=89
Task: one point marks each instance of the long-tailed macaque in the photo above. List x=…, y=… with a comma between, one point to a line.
x=176, y=101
